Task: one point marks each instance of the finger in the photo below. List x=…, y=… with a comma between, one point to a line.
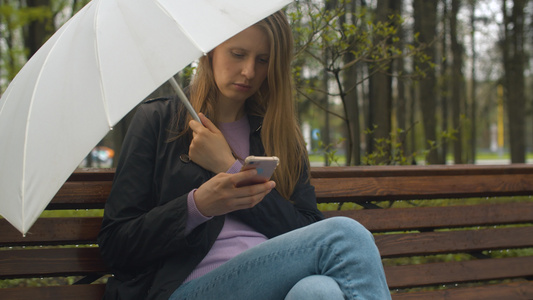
x=207, y=123
x=249, y=201
x=238, y=177
x=254, y=189
x=195, y=125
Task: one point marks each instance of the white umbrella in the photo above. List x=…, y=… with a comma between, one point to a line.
x=92, y=72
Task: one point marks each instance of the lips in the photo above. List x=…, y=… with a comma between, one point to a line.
x=242, y=87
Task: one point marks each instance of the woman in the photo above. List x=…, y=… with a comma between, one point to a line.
x=176, y=226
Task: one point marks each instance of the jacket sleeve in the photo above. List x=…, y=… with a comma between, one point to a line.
x=136, y=231
x=275, y=215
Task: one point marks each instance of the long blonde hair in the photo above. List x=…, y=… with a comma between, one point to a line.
x=280, y=132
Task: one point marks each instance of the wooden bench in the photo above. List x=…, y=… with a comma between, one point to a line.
x=456, y=248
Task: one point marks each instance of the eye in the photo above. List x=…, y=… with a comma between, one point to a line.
x=237, y=54
x=263, y=60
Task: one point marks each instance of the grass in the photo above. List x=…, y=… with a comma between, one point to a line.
x=73, y=213
x=425, y=203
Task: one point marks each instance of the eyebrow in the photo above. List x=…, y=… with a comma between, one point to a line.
x=247, y=51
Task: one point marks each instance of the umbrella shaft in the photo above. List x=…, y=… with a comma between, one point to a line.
x=184, y=99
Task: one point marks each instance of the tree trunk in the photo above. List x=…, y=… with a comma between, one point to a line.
x=457, y=83
x=9, y=37
x=425, y=15
x=381, y=95
x=473, y=87
x=444, y=94
x=40, y=29
x=514, y=61
x=415, y=99
x=326, y=139
x=401, y=101
x=351, y=99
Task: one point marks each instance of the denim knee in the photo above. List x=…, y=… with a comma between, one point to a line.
x=316, y=287
x=348, y=227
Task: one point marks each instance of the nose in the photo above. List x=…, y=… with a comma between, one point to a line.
x=248, y=68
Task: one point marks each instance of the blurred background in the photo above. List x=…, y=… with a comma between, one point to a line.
x=377, y=82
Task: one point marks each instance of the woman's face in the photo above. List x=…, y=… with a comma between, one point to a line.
x=240, y=65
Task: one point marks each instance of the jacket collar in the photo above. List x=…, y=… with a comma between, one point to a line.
x=256, y=123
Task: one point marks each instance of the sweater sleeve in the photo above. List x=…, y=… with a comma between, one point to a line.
x=195, y=217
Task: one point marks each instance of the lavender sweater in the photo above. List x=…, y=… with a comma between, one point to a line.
x=235, y=236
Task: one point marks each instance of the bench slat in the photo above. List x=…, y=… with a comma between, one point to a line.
x=81, y=194
x=395, y=245
x=516, y=290
x=421, y=171
x=92, y=174
x=458, y=272
x=50, y=262
x=373, y=183
x=78, y=292
x=52, y=231
x=421, y=187
x=398, y=219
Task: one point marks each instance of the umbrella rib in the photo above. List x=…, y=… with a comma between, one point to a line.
x=97, y=56
x=5, y=96
x=185, y=32
x=26, y=131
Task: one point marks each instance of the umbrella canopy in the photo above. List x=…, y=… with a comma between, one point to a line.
x=88, y=75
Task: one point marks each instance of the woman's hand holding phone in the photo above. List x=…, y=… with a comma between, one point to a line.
x=222, y=194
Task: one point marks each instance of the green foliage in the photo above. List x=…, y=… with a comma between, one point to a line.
x=187, y=72
x=330, y=151
x=388, y=151
x=332, y=39
x=328, y=35
x=15, y=18
x=13, y=54
x=391, y=150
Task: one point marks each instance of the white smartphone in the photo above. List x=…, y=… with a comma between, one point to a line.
x=265, y=166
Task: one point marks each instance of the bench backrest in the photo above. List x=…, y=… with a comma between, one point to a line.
x=477, y=237
x=422, y=243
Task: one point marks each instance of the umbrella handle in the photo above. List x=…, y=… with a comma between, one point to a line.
x=184, y=99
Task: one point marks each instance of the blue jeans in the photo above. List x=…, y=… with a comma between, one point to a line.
x=331, y=259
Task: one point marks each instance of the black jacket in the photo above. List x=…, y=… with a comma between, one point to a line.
x=142, y=237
